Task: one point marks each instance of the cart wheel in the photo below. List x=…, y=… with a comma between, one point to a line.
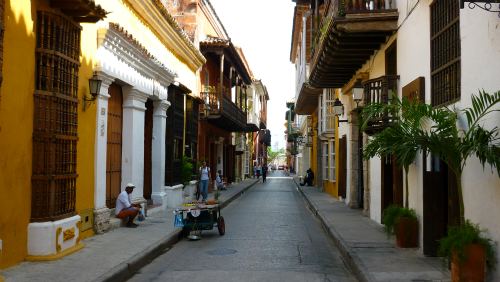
x=185, y=232
x=221, y=225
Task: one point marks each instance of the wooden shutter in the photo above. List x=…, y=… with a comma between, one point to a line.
x=55, y=117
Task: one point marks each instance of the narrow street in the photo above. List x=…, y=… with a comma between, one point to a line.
x=270, y=236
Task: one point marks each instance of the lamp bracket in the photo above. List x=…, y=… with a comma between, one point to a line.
x=486, y=5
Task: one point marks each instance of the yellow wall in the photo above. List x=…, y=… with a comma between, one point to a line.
x=16, y=126
x=86, y=129
x=125, y=15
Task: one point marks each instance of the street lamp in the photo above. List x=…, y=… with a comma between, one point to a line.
x=94, y=89
x=338, y=109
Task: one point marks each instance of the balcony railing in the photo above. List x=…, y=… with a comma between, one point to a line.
x=221, y=110
x=348, y=34
x=380, y=90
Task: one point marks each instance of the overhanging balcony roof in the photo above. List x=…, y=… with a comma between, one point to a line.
x=349, y=41
x=80, y=10
x=307, y=100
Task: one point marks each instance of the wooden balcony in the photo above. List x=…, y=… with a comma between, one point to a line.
x=349, y=34
x=380, y=90
x=221, y=111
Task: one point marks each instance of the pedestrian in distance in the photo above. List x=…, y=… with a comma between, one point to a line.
x=218, y=181
x=255, y=170
x=308, y=179
x=259, y=171
x=264, y=172
x=125, y=209
x=204, y=173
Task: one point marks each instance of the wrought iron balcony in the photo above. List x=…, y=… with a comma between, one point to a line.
x=219, y=110
x=349, y=33
x=380, y=90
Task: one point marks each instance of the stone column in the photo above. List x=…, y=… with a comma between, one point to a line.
x=101, y=212
x=133, y=141
x=158, y=165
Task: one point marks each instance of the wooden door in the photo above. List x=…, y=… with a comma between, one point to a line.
x=440, y=203
x=342, y=166
x=114, y=145
x=397, y=184
x=148, y=140
x=386, y=183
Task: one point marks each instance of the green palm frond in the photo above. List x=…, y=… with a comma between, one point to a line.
x=482, y=105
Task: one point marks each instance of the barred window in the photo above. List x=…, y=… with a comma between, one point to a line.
x=55, y=117
x=332, y=161
x=445, y=52
x=324, y=160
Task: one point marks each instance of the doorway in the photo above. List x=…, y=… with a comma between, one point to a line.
x=148, y=143
x=342, y=166
x=440, y=201
x=114, y=145
x=392, y=183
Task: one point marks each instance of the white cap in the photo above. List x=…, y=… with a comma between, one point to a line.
x=130, y=185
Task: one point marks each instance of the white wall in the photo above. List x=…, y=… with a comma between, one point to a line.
x=480, y=34
x=374, y=182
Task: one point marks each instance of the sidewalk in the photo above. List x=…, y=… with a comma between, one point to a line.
x=365, y=246
x=115, y=255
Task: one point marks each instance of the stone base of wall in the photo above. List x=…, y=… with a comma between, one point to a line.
x=101, y=220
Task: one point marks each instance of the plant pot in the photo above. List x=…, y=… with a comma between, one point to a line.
x=472, y=269
x=407, y=232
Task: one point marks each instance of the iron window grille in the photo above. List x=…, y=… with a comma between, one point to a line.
x=445, y=52
x=55, y=120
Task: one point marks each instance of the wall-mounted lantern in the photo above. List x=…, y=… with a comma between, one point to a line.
x=94, y=88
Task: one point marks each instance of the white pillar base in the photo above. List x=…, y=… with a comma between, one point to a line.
x=174, y=195
x=159, y=198
x=54, y=238
x=101, y=220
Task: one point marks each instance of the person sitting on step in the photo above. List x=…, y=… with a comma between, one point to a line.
x=125, y=209
x=308, y=179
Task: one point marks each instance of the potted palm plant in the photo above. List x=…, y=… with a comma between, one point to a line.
x=397, y=140
x=455, y=145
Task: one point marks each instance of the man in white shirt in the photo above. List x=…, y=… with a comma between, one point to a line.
x=124, y=208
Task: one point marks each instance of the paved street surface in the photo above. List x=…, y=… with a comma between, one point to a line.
x=365, y=245
x=270, y=236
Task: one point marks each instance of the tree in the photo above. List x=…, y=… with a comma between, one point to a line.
x=274, y=155
x=421, y=128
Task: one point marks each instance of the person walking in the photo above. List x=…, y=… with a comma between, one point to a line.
x=264, y=172
x=204, y=180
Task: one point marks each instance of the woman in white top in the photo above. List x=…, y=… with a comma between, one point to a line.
x=204, y=179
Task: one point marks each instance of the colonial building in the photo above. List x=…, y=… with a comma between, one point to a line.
x=439, y=52
x=224, y=81
x=147, y=64
x=45, y=133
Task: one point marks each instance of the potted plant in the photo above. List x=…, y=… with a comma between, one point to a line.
x=403, y=223
x=468, y=251
x=455, y=145
x=397, y=140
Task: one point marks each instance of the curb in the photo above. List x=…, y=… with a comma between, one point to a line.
x=349, y=256
x=128, y=268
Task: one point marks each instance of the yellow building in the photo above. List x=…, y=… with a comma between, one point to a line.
x=54, y=132
x=45, y=173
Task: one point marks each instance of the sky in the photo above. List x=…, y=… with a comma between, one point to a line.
x=263, y=29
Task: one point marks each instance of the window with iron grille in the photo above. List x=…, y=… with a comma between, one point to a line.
x=445, y=52
x=332, y=161
x=55, y=117
x=324, y=160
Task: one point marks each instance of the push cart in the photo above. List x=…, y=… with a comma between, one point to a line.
x=200, y=217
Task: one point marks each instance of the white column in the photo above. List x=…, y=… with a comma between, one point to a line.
x=158, y=158
x=133, y=140
x=101, y=212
